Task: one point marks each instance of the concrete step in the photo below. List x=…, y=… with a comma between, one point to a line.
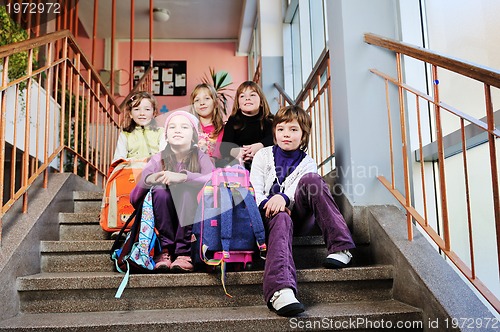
x=94, y=255
x=360, y=316
x=88, y=195
x=76, y=256
x=95, y=291
x=81, y=226
x=87, y=201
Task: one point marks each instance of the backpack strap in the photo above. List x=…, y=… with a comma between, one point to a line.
x=117, y=243
x=226, y=224
x=257, y=224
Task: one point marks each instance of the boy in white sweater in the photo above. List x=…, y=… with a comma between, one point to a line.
x=291, y=196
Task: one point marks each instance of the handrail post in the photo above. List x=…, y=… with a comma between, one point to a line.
x=404, y=146
x=48, y=87
x=493, y=165
x=442, y=180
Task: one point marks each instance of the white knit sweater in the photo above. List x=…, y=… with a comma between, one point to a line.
x=263, y=175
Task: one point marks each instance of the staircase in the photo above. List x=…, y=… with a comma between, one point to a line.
x=76, y=287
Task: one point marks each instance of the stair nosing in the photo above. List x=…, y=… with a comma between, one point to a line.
x=110, y=280
x=377, y=310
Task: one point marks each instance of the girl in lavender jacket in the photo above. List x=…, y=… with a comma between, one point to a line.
x=175, y=175
x=292, y=196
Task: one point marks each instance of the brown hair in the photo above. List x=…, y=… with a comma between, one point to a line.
x=264, y=108
x=128, y=124
x=192, y=162
x=289, y=113
x=216, y=119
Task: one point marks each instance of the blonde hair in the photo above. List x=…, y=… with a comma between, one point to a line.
x=128, y=124
x=216, y=118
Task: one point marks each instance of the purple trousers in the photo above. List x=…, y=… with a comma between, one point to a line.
x=313, y=201
x=174, y=209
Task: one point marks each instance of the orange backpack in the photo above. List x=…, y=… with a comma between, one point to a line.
x=116, y=207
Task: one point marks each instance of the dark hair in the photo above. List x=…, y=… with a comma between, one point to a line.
x=289, y=113
x=128, y=125
x=217, y=121
x=264, y=109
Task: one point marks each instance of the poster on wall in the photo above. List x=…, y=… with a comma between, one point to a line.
x=169, y=76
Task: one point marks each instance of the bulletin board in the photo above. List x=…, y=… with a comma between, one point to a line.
x=169, y=77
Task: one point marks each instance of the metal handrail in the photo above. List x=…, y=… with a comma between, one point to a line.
x=144, y=84
x=59, y=117
x=488, y=77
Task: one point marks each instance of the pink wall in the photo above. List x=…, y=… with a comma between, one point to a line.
x=86, y=46
x=199, y=57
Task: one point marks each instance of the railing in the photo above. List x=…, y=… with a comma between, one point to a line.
x=57, y=116
x=412, y=104
x=315, y=98
x=144, y=84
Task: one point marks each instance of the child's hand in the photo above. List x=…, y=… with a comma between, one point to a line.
x=274, y=205
x=249, y=151
x=166, y=177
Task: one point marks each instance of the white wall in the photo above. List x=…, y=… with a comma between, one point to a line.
x=37, y=122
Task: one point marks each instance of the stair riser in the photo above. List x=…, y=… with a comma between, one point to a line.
x=88, y=206
x=82, y=232
x=304, y=257
x=76, y=263
x=267, y=324
x=195, y=297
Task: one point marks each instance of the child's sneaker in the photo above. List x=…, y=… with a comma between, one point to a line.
x=285, y=304
x=163, y=262
x=182, y=264
x=338, y=259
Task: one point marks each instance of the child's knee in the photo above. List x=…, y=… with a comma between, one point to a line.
x=310, y=178
x=281, y=220
x=311, y=184
x=161, y=194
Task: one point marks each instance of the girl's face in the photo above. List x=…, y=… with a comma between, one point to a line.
x=288, y=135
x=249, y=102
x=143, y=113
x=204, y=104
x=179, y=133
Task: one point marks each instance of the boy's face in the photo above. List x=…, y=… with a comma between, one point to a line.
x=143, y=113
x=288, y=135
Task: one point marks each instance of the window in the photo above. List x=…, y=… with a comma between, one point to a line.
x=305, y=29
x=296, y=54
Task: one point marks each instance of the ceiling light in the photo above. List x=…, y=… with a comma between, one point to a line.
x=161, y=14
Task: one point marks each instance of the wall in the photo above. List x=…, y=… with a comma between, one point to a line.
x=199, y=57
x=358, y=100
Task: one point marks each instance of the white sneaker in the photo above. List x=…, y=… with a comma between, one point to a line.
x=285, y=303
x=338, y=259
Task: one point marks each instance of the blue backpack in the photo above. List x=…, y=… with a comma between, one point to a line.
x=228, y=227
x=136, y=253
